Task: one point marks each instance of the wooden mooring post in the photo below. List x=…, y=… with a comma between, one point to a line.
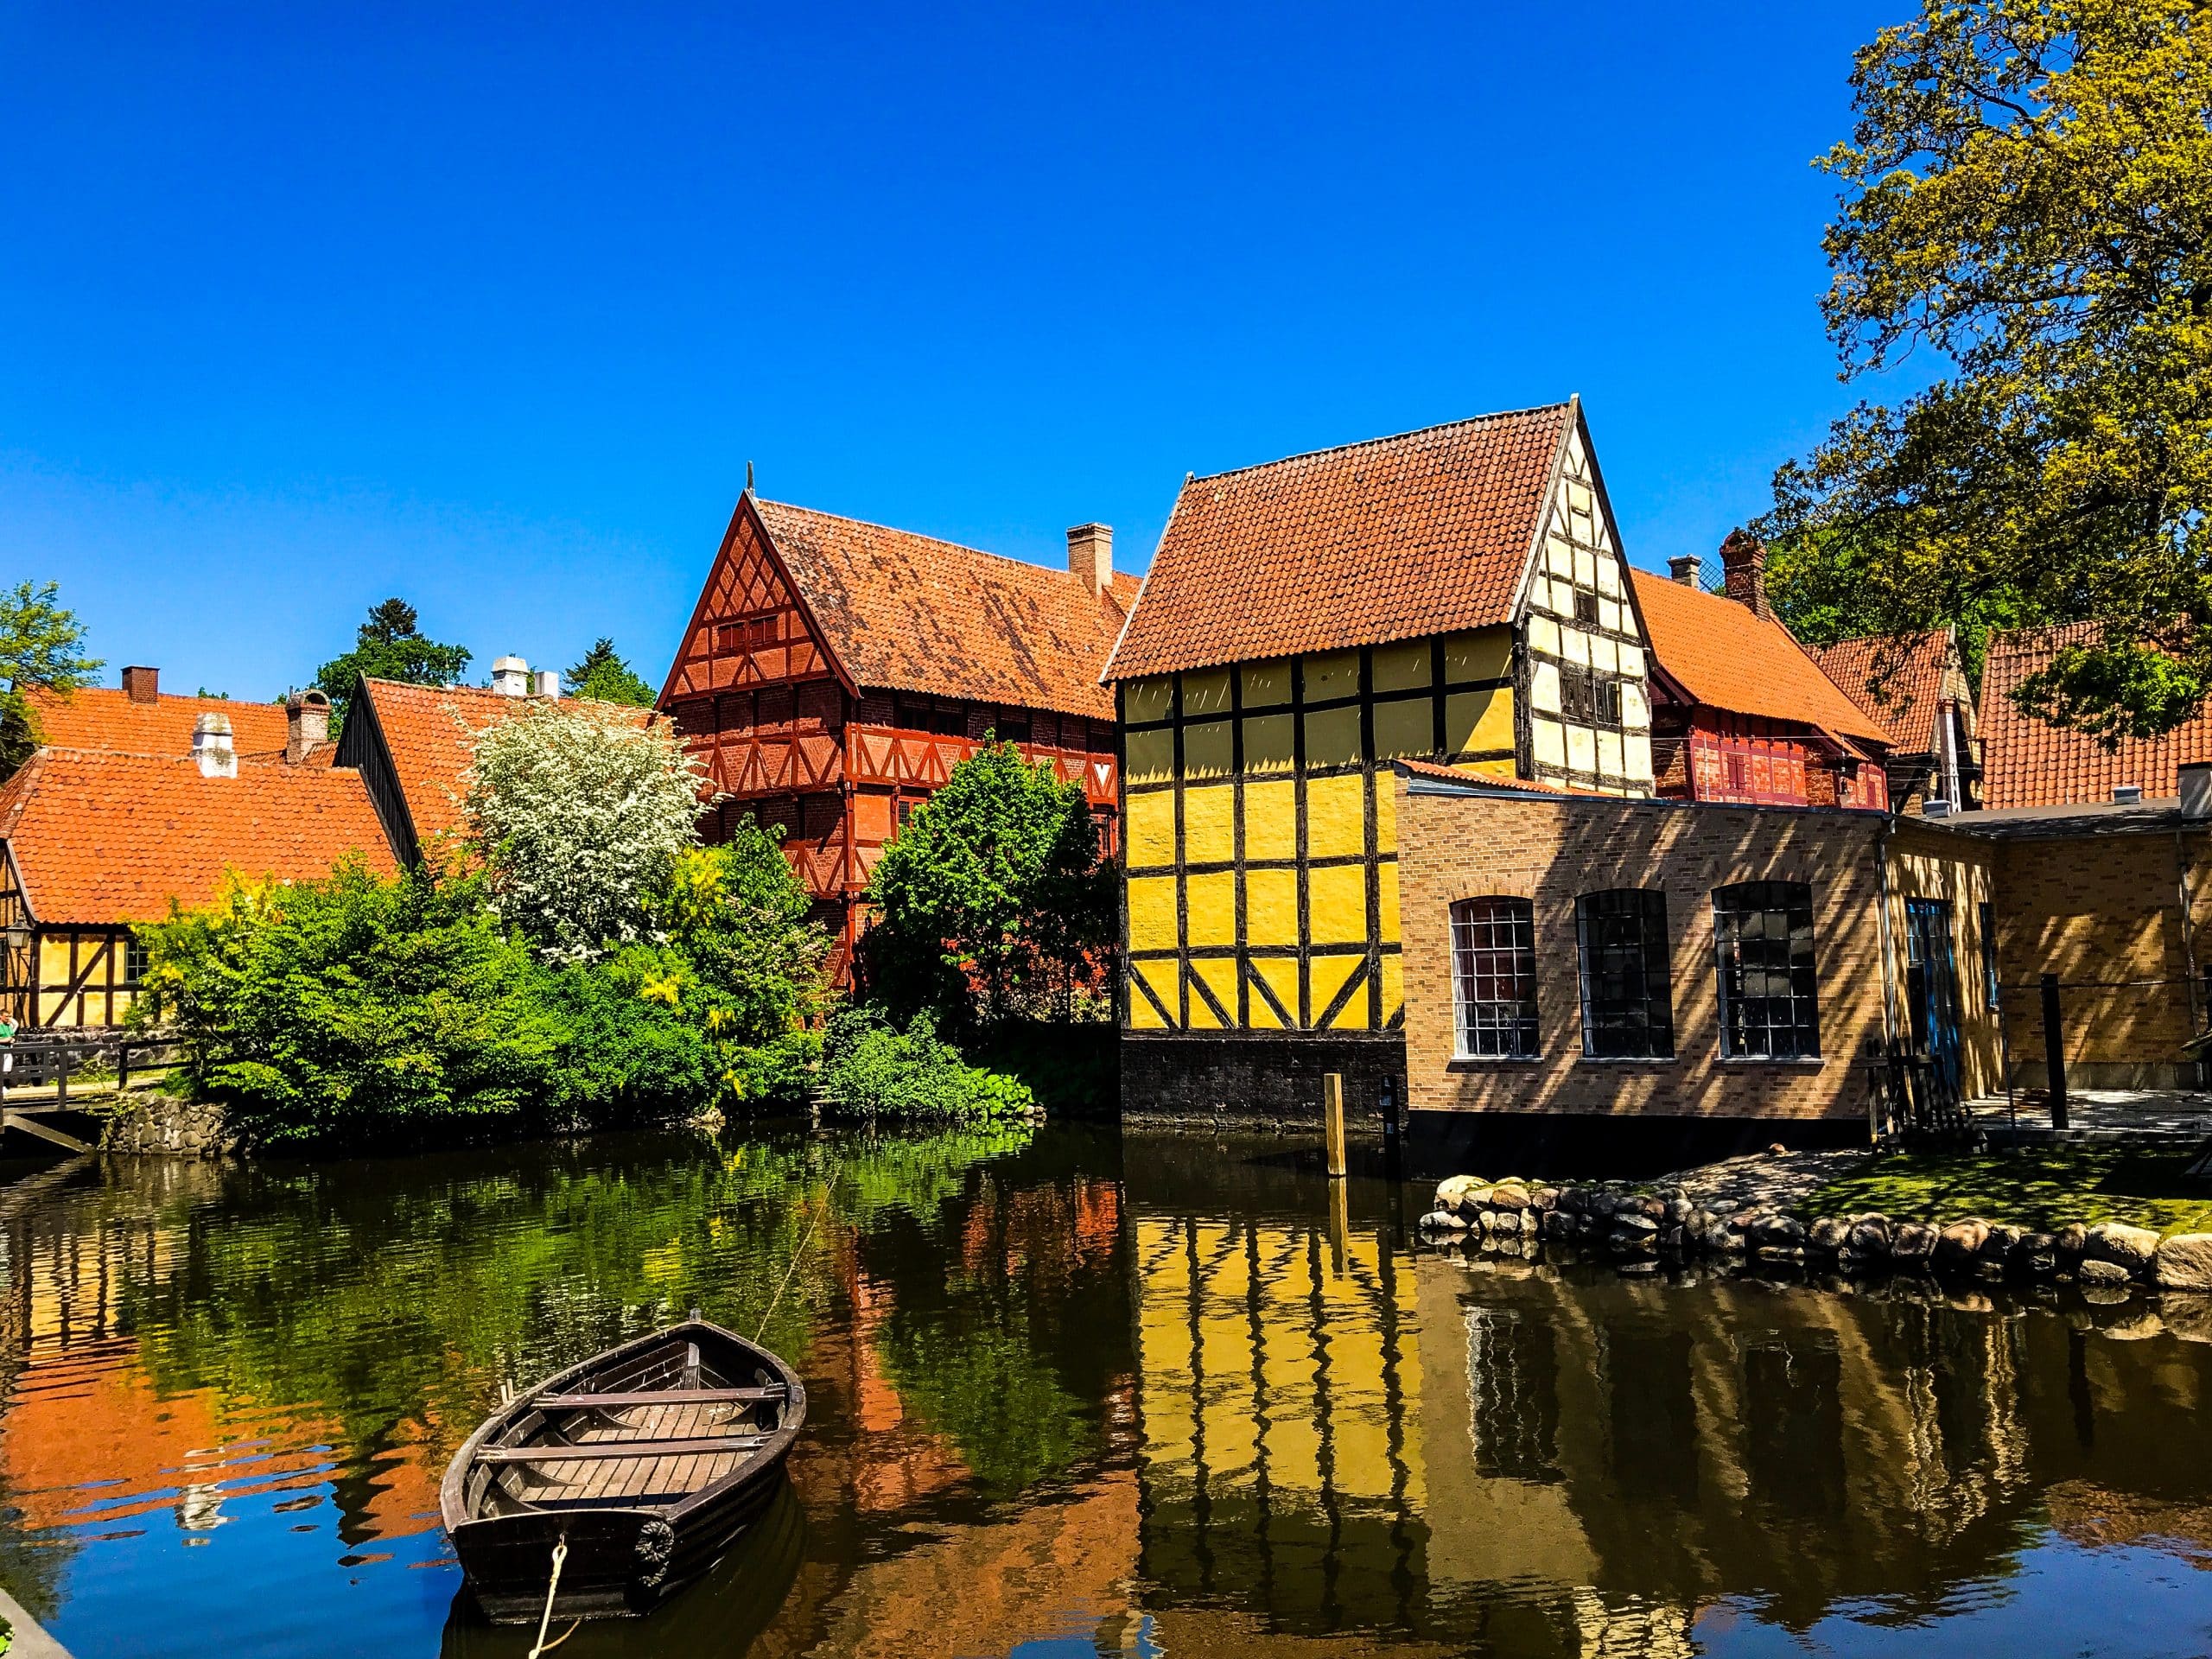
x=1332, y=1120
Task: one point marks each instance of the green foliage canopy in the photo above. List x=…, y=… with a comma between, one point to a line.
x=2027, y=192
x=390, y=645
x=42, y=645
x=603, y=675
x=993, y=899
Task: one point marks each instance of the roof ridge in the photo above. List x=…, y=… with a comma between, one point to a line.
x=923, y=536
x=1390, y=437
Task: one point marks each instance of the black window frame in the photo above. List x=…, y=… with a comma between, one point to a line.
x=1586, y=607
x=1623, y=965
x=1751, y=919
x=1494, y=962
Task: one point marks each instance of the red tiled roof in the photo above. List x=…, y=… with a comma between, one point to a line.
x=1726, y=657
x=1909, y=673
x=102, y=837
x=430, y=732
x=908, y=613
x=1491, y=780
x=2026, y=762
x=102, y=717
x=1390, y=539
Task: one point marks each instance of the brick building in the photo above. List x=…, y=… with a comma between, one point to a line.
x=834, y=673
x=1643, y=969
x=1917, y=688
x=1740, y=711
x=1457, y=594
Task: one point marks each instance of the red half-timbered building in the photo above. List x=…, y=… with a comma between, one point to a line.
x=1740, y=711
x=835, y=672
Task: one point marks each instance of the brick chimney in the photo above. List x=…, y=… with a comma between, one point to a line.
x=1684, y=567
x=1090, y=555
x=212, y=748
x=1743, y=564
x=306, y=724
x=143, y=685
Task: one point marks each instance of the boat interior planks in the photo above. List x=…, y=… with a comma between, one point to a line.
x=647, y=1462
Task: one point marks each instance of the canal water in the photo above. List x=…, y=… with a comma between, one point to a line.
x=1071, y=1393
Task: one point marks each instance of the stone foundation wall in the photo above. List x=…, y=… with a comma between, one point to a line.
x=1247, y=1081
x=163, y=1126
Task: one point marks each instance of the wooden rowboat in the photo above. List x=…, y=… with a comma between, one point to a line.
x=646, y=1462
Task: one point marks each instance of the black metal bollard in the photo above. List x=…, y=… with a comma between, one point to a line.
x=2054, y=1052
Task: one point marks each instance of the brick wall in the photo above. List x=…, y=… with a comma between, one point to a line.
x=1547, y=851
x=2104, y=913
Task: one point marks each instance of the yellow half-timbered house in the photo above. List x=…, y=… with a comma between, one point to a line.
x=1455, y=595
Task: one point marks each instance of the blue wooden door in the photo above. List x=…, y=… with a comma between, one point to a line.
x=1932, y=989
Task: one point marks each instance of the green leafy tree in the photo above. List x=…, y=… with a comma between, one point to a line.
x=993, y=900
x=603, y=675
x=390, y=645
x=41, y=647
x=2027, y=194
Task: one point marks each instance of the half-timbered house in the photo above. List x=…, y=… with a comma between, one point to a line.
x=1741, y=712
x=1917, y=687
x=94, y=841
x=1456, y=595
x=834, y=673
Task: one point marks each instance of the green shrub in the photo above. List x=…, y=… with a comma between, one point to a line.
x=872, y=1069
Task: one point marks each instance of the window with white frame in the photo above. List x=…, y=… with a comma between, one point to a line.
x=1494, y=979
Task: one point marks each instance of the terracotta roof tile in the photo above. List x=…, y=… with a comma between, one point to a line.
x=1491, y=780
x=101, y=717
x=102, y=837
x=908, y=613
x=2026, y=762
x=430, y=732
x=1726, y=657
x=1909, y=676
x=1390, y=539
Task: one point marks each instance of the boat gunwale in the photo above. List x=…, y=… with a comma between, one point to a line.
x=762, y=1461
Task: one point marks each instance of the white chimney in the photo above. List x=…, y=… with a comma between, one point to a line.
x=2126, y=794
x=511, y=677
x=2196, y=790
x=210, y=747
x=1090, y=555
x=548, y=683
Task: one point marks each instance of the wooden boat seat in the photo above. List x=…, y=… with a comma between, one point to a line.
x=643, y=1448
x=658, y=1397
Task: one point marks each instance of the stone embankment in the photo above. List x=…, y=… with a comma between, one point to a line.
x=155, y=1125
x=1636, y=1224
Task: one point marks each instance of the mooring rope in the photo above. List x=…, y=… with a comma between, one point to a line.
x=545, y=1619
x=800, y=1254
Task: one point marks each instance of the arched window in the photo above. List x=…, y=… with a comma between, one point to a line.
x=1763, y=933
x=1494, y=978
x=1628, y=993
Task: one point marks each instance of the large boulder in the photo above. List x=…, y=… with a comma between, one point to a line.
x=1869, y=1237
x=2071, y=1243
x=2183, y=1262
x=1830, y=1235
x=1913, y=1245
x=1958, y=1245
x=2126, y=1247
x=1509, y=1195
x=1456, y=1192
x=2095, y=1270
x=2035, y=1254
x=1442, y=1221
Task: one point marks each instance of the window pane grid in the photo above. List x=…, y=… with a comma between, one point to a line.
x=1494, y=978
x=1769, y=1006
x=1628, y=1007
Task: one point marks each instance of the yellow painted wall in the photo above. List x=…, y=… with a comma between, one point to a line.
x=1243, y=796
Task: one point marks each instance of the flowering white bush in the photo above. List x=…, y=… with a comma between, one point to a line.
x=576, y=812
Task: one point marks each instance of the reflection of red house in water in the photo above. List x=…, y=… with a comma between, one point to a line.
x=1740, y=712
x=835, y=672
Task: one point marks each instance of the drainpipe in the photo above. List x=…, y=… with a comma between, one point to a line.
x=2188, y=936
x=1882, y=923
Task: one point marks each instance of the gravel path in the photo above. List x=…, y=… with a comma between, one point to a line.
x=1763, y=1180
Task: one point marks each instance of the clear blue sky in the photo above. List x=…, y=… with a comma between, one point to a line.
x=302, y=306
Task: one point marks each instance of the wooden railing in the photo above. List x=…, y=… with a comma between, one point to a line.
x=38, y=1060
